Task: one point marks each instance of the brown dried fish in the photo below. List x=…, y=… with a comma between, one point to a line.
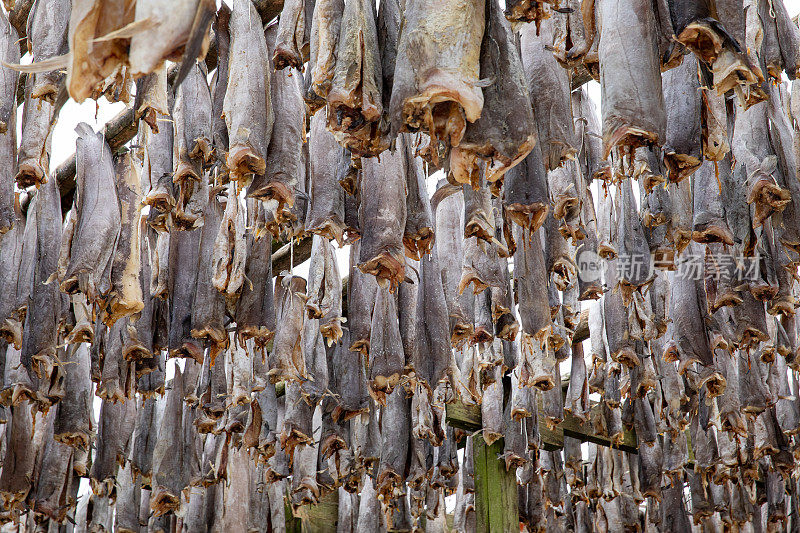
x=193, y=148
x=549, y=94
x=228, y=257
x=247, y=108
x=286, y=357
x=91, y=247
x=325, y=30
x=125, y=297
x=326, y=212
x=33, y=158
x=285, y=170
x=633, y=113
x=255, y=309
x=355, y=100
x=325, y=290
x=437, y=70
x=387, y=360
x=683, y=151
x=418, y=236
x=383, y=217
x=47, y=27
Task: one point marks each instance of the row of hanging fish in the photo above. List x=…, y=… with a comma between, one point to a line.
x=327, y=125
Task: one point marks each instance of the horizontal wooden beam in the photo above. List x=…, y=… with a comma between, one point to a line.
x=468, y=418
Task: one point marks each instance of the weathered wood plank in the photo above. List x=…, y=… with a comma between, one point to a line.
x=495, y=489
x=468, y=418
x=321, y=517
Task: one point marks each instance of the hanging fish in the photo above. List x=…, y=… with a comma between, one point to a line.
x=436, y=87
x=247, y=108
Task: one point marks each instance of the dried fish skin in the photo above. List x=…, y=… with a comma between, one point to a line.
x=291, y=39
x=432, y=357
x=152, y=100
x=168, y=479
x=247, y=107
x=91, y=249
x=355, y=100
x=418, y=236
x=169, y=31
x=387, y=360
x=33, y=158
x=181, y=270
x=255, y=309
x=633, y=113
x=709, y=223
x=325, y=290
x=208, y=308
x=13, y=276
x=530, y=281
x=325, y=29
x=9, y=80
x=91, y=60
x=758, y=162
x=696, y=27
x=286, y=357
x=285, y=170
x=714, y=126
x=47, y=27
x=54, y=477
x=382, y=216
x=682, y=101
x=449, y=247
x=228, y=257
x=20, y=456
x=74, y=422
x=193, y=149
x=526, y=198
x=157, y=169
x=326, y=212
x=437, y=70
x=125, y=297
x=114, y=430
x=549, y=93
x=393, y=451
x=44, y=313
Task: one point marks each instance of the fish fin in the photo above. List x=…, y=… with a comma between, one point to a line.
x=45, y=65
x=129, y=30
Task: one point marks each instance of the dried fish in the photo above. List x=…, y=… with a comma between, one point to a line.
x=44, y=312
x=355, y=100
x=162, y=32
x=33, y=158
x=193, y=148
x=437, y=69
x=255, y=309
x=91, y=247
x=383, y=217
x=505, y=132
x=285, y=170
x=682, y=101
x=549, y=93
x=326, y=212
x=633, y=113
x=325, y=30
x=325, y=290
x=9, y=80
x=247, y=108
x=386, y=357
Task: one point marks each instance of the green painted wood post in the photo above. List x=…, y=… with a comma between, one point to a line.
x=495, y=489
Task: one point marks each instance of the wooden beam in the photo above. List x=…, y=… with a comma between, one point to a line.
x=468, y=418
x=495, y=489
x=285, y=257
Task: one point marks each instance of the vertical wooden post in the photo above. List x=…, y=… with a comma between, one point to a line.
x=495, y=489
